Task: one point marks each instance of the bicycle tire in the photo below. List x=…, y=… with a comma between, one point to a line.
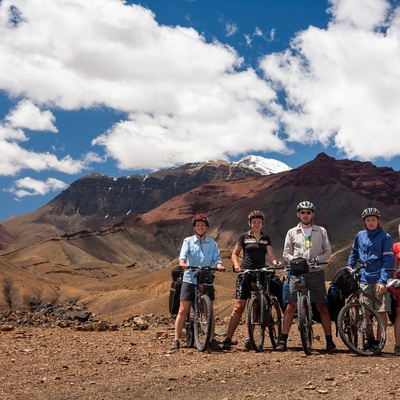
x=355, y=330
x=202, y=322
x=274, y=321
x=256, y=323
x=189, y=328
x=305, y=324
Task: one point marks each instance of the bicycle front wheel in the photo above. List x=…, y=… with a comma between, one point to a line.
x=361, y=329
x=256, y=323
x=202, y=322
x=274, y=321
x=189, y=328
x=305, y=324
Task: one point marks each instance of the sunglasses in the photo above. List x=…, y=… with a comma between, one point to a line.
x=306, y=212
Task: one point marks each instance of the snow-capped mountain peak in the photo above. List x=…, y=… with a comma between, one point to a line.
x=264, y=166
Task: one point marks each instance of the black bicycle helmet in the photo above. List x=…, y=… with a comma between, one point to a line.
x=370, y=212
x=305, y=205
x=256, y=214
x=200, y=217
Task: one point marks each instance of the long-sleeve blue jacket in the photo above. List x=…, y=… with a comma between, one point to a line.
x=375, y=249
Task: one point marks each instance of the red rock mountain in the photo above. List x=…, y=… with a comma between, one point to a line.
x=124, y=268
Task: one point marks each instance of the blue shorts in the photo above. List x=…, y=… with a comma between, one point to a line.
x=187, y=292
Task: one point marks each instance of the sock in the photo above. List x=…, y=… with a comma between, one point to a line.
x=329, y=339
x=283, y=337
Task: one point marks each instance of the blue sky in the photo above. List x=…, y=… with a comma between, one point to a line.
x=126, y=87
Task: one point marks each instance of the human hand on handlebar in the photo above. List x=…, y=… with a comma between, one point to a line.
x=220, y=268
x=236, y=268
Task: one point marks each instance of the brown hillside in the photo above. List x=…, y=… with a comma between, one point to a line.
x=124, y=269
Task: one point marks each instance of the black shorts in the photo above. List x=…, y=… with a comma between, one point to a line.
x=243, y=288
x=187, y=292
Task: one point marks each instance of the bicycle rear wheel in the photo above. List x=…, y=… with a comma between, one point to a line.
x=189, y=328
x=274, y=321
x=256, y=323
x=202, y=322
x=358, y=326
x=305, y=324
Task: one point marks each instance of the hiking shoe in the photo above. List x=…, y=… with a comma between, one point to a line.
x=281, y=346
x=175, y=345
x=248, y=345
x=213, y=345
x=372, y=345
x=226, y=344
x=397, y=350
x=331, y=348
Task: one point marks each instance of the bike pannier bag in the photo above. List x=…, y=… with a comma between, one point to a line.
x=205, y=276
x=345, y=281
x=175, y=290
x=298, y=266
x=336, y=301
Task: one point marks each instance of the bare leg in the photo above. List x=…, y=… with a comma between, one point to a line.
x=180, y=318
x=237, y=312
x=288, y=317
x=325, y=318
x=397, y=327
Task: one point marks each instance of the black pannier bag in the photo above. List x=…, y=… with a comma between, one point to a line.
x=345, y=281
x=299, y=266
x=205, y=276
x=175, y=290
x=276, y=288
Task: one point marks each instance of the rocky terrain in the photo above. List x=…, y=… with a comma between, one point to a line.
x=132, y=363
x=83, y=302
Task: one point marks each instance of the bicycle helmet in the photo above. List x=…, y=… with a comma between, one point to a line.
x=305, y=205
x=200, y=217
x=371, y=212
x=256, y=214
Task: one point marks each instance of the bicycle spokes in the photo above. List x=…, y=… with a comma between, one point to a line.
x=361, y=329
x=256, y=323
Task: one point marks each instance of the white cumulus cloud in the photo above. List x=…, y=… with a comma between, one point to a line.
x=342, y=83
x=31, y=187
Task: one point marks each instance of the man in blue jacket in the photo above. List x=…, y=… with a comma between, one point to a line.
x=373, y=246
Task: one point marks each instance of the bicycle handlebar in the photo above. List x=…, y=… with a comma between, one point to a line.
x=360, y=265
x=264, y=269
x=204, y=268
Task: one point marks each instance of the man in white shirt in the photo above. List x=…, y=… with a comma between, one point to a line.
x=311, y=242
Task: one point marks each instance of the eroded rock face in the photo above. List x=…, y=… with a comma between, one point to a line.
x=378, y=184
x=102, y=195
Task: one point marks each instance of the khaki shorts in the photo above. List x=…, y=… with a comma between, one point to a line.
x=382, y=298
x=316, y=284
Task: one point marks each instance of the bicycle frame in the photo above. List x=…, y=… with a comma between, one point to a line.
x=263, y=310
x=198, y=323
x=304, y=309
x=357, y=322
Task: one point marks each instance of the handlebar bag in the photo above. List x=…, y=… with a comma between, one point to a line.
x=205, y=276
x=299, y=266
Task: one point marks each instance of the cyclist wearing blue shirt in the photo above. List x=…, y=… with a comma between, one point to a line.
x=197, y=251
x=373, y=246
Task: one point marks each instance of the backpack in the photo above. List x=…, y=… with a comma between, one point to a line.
x=175, y=290
x=345, y=282
x=336, y=301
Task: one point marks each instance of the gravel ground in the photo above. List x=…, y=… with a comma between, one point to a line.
x=59, y=363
